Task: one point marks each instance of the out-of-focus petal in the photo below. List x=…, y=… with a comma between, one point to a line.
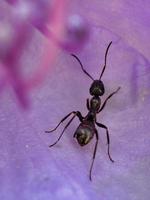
x=74, y=35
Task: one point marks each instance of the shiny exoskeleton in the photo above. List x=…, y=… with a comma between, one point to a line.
x=87, y=128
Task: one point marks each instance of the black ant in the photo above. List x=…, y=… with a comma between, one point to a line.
x=86, y=130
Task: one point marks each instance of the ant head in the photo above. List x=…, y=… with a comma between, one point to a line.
x=97, y=88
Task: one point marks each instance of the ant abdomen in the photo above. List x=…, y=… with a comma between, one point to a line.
x=84, y=134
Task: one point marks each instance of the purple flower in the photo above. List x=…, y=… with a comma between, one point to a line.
x=31, y=170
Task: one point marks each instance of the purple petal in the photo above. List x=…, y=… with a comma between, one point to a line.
x=30, y=170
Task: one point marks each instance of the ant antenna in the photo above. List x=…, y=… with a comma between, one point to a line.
x=105, y=60
x=82, y=66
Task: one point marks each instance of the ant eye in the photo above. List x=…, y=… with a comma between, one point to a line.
x=97, y=88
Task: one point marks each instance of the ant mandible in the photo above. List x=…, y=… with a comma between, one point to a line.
x=86, y=130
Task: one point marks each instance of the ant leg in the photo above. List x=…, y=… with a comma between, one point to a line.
x=87, y=104
x=78, y=114
x=108, y=139
x=102, y=107
x=61, y=122
x=94, y=154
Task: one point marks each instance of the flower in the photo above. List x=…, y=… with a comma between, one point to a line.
x=31, y=170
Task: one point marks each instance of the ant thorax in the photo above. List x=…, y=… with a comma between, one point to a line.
x=95, y=103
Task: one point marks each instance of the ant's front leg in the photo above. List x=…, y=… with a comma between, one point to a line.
x=108, y=139
x=78, y=114
x=102, y=107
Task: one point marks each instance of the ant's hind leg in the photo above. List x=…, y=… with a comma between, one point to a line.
x=108, y=139
x=78, y=114
x=94, y=154
x=60, y=122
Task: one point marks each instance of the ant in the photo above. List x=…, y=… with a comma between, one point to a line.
x=86, y=129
